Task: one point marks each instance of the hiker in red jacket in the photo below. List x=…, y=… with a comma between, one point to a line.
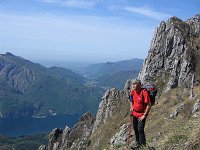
x=140, y=107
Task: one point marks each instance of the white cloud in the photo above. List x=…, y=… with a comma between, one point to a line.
x=146, y=11
x=72, y=3
x=79, y=37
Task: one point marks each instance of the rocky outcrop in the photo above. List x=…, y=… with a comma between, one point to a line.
x=177, y=110
x=121, y=137
x=127, y=87
x=76, y=138
x=111, y=102
x=42, y=147
x=196, y=106
x=171, y=59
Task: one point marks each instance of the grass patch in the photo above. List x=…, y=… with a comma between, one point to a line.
x=177, y=138
x=165, y=133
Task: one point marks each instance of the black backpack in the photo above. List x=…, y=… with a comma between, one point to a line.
x=152, y=90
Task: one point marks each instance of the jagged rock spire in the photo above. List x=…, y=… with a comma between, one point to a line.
x=171, y=57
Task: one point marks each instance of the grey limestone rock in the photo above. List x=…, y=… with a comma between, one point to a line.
x=196, y=106
x=177, y=110
x=171, y=59
x=55, y=139
x=121, y=137
x=74, y=138
x=111, y=101
x=42, y=147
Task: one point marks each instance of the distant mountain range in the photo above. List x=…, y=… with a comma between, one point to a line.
x=29, y=89
x=112, y=74
x=118, y=79
x=110, y=68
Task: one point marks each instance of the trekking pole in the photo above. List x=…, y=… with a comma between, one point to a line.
x=129, y=129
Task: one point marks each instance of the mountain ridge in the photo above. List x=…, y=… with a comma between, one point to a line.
x=109, y=68
x=29, y=89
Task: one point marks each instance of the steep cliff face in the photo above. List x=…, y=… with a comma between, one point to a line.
x=173, y=56
x=111, y=103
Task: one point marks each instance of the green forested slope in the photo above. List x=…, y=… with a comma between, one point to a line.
x=29, y=89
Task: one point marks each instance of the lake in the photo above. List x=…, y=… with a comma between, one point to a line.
x=28, y=126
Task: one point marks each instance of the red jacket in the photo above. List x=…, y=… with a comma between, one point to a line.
x=140, y=101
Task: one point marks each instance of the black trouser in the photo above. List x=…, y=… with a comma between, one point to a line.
x=138, y=127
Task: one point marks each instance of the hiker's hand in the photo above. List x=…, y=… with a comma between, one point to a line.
x=131, y=109
x=142, y=118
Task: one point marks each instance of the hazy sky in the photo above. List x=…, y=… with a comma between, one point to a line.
x=85, y=30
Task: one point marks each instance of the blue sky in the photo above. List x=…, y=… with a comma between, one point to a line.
x=85, y=30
